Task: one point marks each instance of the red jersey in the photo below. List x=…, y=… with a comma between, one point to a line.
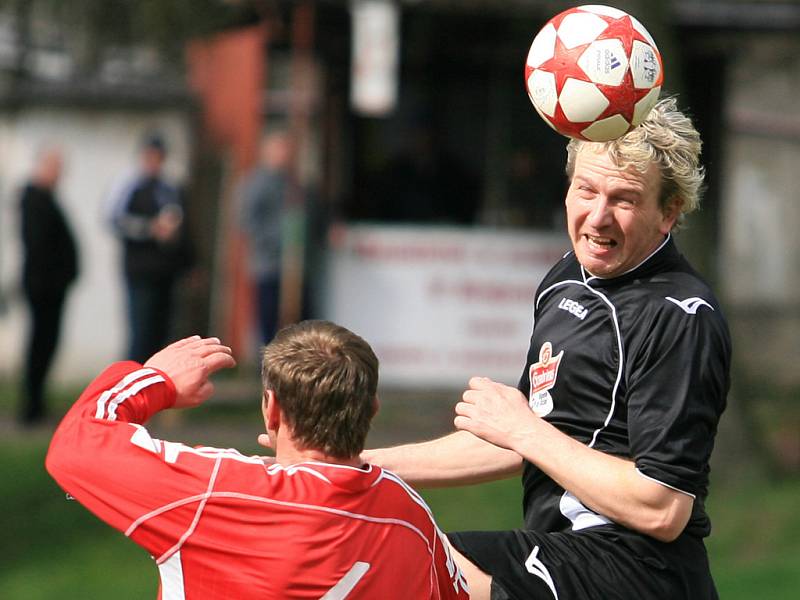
x=223, y=525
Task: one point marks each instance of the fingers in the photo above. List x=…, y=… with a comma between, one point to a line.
x=199, y=344
x=215, y=355
x=184, y=342
x=482, y=383
x=462, y=423
x=471, y=396
x=219, y=360
x=264, y=440
x=465, y=409
x=206, y=391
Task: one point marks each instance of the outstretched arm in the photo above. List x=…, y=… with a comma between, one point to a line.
x=607, y=484
x=456, y=459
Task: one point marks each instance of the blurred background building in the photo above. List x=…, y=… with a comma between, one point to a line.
x=439, y=191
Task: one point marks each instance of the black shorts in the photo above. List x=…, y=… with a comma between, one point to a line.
x=602, y=563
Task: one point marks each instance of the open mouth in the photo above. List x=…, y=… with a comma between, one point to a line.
x=600, y=242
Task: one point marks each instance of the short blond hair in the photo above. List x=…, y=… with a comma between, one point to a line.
x=667, y=138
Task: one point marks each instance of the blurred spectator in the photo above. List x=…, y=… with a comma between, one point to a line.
x=50, y=266
x=263, y=201
x=148, y=216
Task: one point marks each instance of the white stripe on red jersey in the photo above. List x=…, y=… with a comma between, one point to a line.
x=223, y=525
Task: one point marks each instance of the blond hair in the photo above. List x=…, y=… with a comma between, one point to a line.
x=667, y=138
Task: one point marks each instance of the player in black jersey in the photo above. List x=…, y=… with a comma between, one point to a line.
x=613, y=422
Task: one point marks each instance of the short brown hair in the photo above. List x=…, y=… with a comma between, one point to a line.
x=325, y=379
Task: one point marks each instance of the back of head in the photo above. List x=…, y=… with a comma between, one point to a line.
x=325, y=379
x=154, y=140
x=48, y=166
x=277, y=151
x=153, y=152
x=667, y=138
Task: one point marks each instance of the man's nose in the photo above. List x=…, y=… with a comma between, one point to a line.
x=600, y=214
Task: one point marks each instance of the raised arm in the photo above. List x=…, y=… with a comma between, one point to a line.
x=102, y=456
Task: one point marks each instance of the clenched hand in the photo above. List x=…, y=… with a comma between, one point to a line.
x=495, y=412
x=189, y=363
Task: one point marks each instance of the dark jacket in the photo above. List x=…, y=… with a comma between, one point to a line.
x=51, y=257
x=137, y=206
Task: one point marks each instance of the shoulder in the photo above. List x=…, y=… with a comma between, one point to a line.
x=124, y=186
x=566, y=269
x=673, y=305
x=30, y=194
x=405, y=502
x=680, y=291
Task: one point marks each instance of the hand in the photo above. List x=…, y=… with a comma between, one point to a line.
x=495, y=412
x=165, y=226
x=189, y=363
x=368, y=457
x=266, y=441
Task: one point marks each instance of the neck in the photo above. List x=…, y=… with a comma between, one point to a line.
x=43, y=183
x=292, y=456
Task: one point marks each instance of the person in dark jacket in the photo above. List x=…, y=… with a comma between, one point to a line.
x=264, y=197
x=148, y=217
x=50, y=266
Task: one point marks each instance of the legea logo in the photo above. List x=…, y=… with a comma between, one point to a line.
x=573, y=307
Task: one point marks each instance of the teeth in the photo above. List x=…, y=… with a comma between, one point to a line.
x=600, y=241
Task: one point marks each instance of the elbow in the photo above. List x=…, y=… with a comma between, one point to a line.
x=667, y=524
x=53, y=463
x=59, y=464
x=666, y=532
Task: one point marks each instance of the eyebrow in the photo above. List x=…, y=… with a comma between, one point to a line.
x=628, y=194
x=582, y=179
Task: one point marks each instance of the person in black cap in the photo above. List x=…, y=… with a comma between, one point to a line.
x=148, y=217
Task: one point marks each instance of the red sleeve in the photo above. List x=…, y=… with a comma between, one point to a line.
x=451, y=583
x=102, y=456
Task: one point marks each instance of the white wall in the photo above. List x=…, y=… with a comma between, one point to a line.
x=760, y=242
x=100, y=147
x=440, y=304
x=760, y=245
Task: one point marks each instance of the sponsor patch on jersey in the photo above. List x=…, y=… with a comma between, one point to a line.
x=543, y=376
x=574, y=308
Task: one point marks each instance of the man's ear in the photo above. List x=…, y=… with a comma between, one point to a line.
x=271, y=410
x=375, y=406
x=671, y=212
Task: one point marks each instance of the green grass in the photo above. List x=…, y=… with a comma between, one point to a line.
x=755, y=545
x=52, y=548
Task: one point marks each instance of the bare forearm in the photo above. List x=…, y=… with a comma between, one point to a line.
x=456, y=459
x=606, y=484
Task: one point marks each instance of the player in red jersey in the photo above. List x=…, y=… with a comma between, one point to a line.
x=316, y=524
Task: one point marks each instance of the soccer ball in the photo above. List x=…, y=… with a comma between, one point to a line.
x=593, y=72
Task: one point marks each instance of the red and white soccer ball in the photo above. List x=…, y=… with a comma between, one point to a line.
x=593, y=72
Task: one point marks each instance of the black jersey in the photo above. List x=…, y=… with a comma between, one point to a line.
x=636, y=366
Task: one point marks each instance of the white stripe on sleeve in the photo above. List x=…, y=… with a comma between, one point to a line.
x=108, y=397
